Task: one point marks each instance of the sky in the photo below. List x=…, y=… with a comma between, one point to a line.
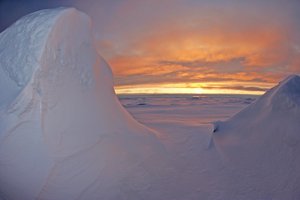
x=188, y=46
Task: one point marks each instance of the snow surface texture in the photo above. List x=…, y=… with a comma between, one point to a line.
x=213, y=173
x=261, y=144
x=63, y=133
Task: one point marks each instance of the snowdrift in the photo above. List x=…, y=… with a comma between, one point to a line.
x=63, y=133
x=261, y=144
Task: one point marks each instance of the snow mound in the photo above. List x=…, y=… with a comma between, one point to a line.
x=286, y=95
x=262, y=143
x=20, y=57
x=63, y=133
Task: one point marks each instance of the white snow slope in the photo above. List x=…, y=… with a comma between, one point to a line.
x=261, y=144
x=63, y=133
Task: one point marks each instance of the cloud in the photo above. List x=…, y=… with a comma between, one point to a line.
x=236, y=87
x=216, y=45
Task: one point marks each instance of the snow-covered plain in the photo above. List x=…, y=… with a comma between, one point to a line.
x=64, y=135
x=185, y=121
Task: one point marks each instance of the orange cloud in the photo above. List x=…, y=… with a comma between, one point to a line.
x=232, y=46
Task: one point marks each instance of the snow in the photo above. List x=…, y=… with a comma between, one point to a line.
x=196, y=171
x=249, y=158
x=65, y=135
x=262, y=142
x=19, y=59
x=63, y=132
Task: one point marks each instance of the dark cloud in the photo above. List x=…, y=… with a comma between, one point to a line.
x=236, y=87
x=199, y=63
x=230, y=65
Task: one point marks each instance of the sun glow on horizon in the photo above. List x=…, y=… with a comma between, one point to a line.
x=184, y=89
x=158, y=90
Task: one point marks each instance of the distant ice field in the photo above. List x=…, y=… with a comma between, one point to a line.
x=187, y=110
